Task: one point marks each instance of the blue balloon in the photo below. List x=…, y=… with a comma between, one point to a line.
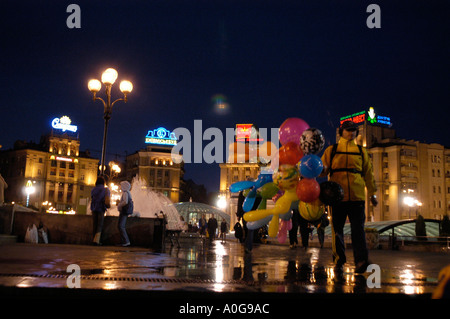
x=259, y=182
x=240, y=186
x=259, y=223
x=249, y=200
x=263, y=179
x=310, y=166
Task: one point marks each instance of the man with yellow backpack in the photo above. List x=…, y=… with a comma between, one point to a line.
x=349, y=165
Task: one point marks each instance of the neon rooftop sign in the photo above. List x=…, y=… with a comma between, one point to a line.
x=246, y=132
x=161, y=136
x=63, y=124
x=369, y=116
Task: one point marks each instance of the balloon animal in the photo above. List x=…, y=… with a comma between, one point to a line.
x=253, y=185
x=286, y=178
x=296, y=167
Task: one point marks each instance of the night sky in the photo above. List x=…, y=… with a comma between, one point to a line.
x=316, y=60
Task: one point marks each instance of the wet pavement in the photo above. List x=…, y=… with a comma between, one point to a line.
x=217, y=268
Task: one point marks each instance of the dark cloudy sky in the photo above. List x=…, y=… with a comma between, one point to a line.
x=316, y=60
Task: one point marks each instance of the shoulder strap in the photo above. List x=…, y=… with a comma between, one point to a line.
x=351, y=170
x=333, y=153
x=362, y=159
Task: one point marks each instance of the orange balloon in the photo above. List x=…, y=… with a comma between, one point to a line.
x=290, y=153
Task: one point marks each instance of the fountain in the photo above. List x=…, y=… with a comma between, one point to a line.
x=147, y=204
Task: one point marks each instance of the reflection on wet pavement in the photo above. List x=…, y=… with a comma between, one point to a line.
x=220, y=267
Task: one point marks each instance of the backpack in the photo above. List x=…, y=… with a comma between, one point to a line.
x=128, y=208
x=351, y=170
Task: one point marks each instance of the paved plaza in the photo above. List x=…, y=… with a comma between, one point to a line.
x=197, y=268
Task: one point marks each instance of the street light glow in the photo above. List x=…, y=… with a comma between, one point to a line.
x=409, y=201
x=94, y=85
x=126, y=87
x=222, y=202
x=109, y=76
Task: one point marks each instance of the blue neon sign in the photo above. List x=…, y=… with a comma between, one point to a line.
x=161, y=136
x=63, y=124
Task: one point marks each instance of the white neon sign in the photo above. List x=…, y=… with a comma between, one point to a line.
x=63, y=124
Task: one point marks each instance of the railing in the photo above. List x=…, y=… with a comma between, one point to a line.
x=412, y=240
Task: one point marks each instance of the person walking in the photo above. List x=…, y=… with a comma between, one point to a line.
x=223, y=229
x=202, y=226
x=124, y=211
x=349, y=165
x=100, y=202
x=320, y=227
x=212, y=226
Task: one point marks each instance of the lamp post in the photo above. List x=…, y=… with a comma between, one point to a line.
x=108, y=79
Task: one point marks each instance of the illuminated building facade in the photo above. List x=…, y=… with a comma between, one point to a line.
x=412, y=177
x=62, y=177
x=155, y=164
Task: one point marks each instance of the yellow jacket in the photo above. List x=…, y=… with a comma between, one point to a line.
x=352, y=182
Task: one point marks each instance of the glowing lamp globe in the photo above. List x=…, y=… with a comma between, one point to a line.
x=109, y=76
x=126, y=87
x=94, y=86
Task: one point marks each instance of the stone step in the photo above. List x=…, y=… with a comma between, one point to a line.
x=7, y=239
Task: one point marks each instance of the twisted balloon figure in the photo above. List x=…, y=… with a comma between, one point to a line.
x=254, y=185
x=286, y=178
x=282, y=206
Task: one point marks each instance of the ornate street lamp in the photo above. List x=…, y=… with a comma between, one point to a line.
x=108, y=78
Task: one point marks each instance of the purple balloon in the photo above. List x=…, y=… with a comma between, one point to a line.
x=291, y=130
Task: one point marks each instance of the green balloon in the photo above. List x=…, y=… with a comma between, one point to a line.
x=269, y=190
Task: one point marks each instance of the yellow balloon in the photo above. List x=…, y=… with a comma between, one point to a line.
x=286, y=177
x=311, y=211
x=282, y=206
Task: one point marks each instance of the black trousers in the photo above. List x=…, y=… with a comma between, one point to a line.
x=355, y=211
x=298, y=220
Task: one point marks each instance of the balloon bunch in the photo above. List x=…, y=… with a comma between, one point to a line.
x=295, y=169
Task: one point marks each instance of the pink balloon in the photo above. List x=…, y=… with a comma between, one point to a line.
x=282, y=230
x=291, y=130
x=289, y=226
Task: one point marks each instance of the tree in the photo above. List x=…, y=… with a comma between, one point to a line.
x=421, y=230
x=444, y=227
